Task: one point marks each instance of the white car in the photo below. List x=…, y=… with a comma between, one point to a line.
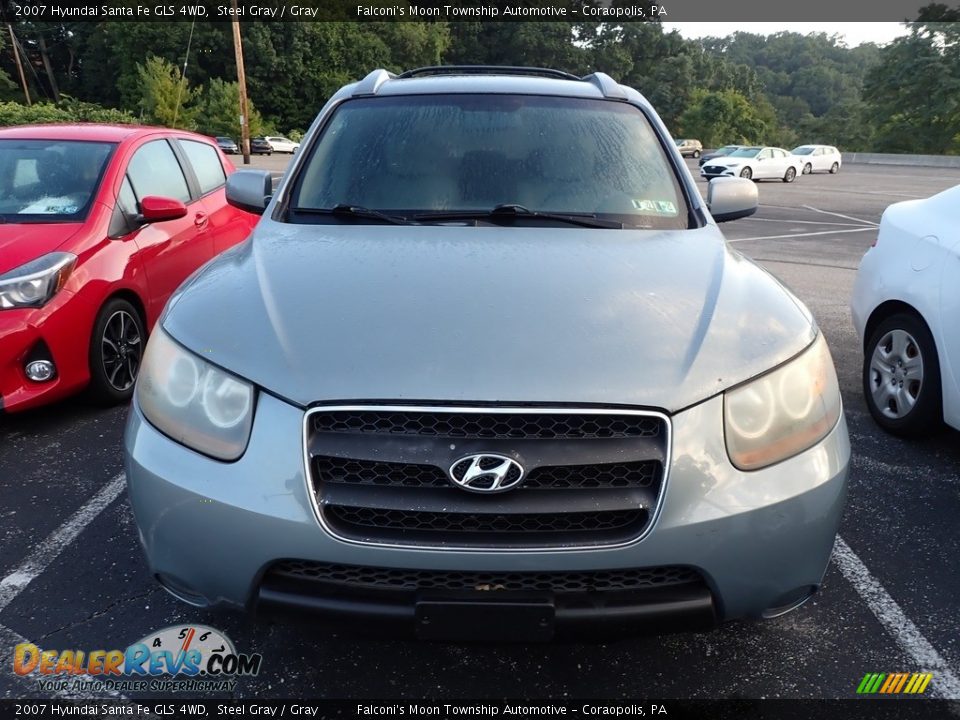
x=906, y=309
x=819, y=158
x=282, y=144
x=754, y=162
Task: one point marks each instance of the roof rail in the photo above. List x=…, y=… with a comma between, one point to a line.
x=372, y=82
x=607, y=85
x=487, y=70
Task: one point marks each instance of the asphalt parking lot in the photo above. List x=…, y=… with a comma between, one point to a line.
x=72, y=574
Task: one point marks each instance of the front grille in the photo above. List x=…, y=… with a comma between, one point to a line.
x=485, y=522
x=380, y=475
x=358, y=576
x=713, y=169
x=493, y=426
x=373, y=472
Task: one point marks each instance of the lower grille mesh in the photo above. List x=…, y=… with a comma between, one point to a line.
x=457, y=580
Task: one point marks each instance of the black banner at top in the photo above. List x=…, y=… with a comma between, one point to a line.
x=574, y=11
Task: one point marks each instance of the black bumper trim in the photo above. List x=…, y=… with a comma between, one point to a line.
x=599, y=615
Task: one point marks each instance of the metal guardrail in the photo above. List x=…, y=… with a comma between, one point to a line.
x=944, y=161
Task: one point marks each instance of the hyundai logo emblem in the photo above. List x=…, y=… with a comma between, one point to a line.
x=486, y=473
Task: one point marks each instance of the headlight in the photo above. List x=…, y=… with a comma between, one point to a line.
x=33, y=284
x=783, y=412
x=193, y=402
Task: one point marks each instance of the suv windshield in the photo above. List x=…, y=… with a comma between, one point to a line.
x=421, y=154
x=747, y=152
x=803, y=150
x=49, y=181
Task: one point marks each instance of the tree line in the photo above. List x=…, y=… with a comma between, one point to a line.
x=784, y=89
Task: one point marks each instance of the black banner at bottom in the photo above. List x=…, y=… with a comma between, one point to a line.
x=855, y=709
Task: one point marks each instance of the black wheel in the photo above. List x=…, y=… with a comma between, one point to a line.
x=807, y=169
x=790, y=175
x=901, y=377
x=696, y=153
x=746, y=173
x=116, y=349
x=835, y=168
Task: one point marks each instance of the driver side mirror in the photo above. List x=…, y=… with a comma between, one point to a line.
x=732, y=198
x=154, y=208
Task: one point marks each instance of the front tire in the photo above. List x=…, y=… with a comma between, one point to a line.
x=790, y=175
x=746, y=173
x=696, y=153
x=807, y=169
x=901, y=377
x=835, y=168
x=116, y=351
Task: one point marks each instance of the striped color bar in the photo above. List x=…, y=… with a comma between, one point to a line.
x=894, y=683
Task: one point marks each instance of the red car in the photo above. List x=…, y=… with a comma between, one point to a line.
x=98, y=225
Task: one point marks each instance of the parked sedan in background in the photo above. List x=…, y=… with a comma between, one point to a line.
x=228, y=146
x=260, y=146
x=98, y=225
x=819, y=158
x=282, y=144
x=754, y=162
x=719, y=152
x=906, y=304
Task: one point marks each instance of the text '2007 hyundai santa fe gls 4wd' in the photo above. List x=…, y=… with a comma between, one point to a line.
x=487, y=369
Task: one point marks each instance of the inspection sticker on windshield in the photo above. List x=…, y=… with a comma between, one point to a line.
x=655, y=207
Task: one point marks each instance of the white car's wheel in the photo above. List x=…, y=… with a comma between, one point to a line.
x=835, y=168
x=790, y=175
x=901, y=376
x=807, y=169
x=746, y=173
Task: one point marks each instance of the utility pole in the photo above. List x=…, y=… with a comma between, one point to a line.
x=16, y=55
x=242, y=83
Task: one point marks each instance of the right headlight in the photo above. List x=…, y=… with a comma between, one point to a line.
x=784, y=412
x=193, y=402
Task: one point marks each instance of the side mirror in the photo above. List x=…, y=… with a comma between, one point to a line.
x=731, y=198
x=155, y=209
x=250, y=190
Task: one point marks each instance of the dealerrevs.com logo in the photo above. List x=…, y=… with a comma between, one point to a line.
x=189, y=658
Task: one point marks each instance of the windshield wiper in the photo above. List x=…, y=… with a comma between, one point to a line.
x=511, y=212
x=354, y=211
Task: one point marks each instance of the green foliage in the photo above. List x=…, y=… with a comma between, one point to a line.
x=67, y=110
x=725, y=116
x=8, y=88
x=166, y=97
x=218, y=111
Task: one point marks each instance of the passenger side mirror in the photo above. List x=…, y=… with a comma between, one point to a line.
x=731, y=198
x=154, y=208
x=250, y=190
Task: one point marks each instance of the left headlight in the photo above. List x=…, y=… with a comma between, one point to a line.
x=33, y=284
x=783, y=412
x=193, y=402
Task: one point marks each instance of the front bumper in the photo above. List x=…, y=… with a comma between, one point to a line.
x=60, y=331
x=758, y=540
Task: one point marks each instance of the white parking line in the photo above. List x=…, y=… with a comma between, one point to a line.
x=10, y=639
x=946, y=682
x=841, y=215
x=807, y=234
x=800, y=222
x=48, y=550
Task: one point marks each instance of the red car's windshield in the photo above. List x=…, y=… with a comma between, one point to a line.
x=50, y=181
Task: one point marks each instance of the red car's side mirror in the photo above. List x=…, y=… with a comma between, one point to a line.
x=157, y=209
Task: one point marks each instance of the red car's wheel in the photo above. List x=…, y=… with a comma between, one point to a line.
x=116, y=349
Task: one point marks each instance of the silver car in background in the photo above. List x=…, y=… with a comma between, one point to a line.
x=487, y=369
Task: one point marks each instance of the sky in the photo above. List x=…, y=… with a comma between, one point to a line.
x=853, y=33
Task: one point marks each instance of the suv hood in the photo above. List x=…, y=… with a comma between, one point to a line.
x=317, y=313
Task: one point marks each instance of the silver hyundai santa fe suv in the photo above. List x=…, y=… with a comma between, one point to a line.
x=488, y=369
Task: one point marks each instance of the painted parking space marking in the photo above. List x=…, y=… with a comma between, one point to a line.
x=841, y=215
x=48, y=550
x=804, y=234
x=907, y=635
